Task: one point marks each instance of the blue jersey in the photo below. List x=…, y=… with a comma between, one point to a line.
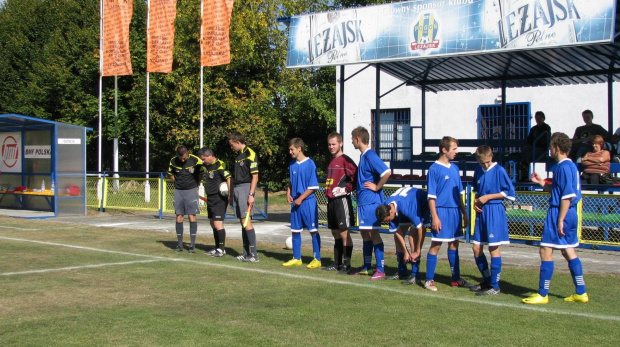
x=370, y=169
x=303, y=177
x=444, y=184
x=566, y=184
x=411, y=207
x=492, y=181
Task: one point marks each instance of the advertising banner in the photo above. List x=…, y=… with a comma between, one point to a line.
x=424, y=28
x=11, y=156
x=160, y=42
x=37, y=152
x=215, y=32
x=116, y=56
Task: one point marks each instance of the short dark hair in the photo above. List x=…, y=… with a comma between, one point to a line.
x=445, y=142
x=205, y=151
x=483, y=151
x=562, y=141
x=540, y=113
x=335, y=135
x=588, y=112
x=382, y=212
x=296, y=142
x=236, y=136
x=181, y=150
x=362, y=134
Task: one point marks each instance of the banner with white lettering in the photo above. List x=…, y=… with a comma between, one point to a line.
x=10, y=152
x=37, y=152
x=422, y=28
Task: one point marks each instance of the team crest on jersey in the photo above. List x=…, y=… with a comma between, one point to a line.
x=447, y=177
x=211, y=175
x=191, y=170
x=294, y=172
x=425, y=33
x=241, y=164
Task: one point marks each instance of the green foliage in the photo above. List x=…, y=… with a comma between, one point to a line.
x=49, y=68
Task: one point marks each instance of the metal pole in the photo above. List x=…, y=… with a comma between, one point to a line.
x=342, y=82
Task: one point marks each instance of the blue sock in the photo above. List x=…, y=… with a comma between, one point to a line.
x=483, y=267
x=546, y=272
x=453, y=259
x=297, y=245
x=415, y=268
x=577, y=272
x=431, y=264
x=379, y=256
x=402, y=267
x=496, y=270
x=367, y=252
x=316, y=246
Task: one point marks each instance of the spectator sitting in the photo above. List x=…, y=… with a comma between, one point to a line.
x=615, y=144
x=582, y=140
x=541, y=147
x=595, y=163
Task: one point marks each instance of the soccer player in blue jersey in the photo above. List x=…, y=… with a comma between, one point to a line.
x=560, y=228
x=448, y=212
x=491, y=186
x=304, y=209
x=406, y=208
x=372, y=173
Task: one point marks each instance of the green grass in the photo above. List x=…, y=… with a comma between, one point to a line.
x=184, y=299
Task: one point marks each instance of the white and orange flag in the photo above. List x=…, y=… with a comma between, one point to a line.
x=160, y=35
x=116, y=18
x=215, y=32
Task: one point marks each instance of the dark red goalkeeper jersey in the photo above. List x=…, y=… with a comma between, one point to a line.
x=340, y=173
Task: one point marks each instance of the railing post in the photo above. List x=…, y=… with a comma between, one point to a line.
x=162, y=200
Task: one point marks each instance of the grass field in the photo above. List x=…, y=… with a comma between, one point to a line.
x=65, y=284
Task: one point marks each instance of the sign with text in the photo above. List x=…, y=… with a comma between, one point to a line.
x=38, y=152
x=160, y=35
x=423, y=28
x=10, y=152
x=215, y=32
x=116, y=56
x=65, y=141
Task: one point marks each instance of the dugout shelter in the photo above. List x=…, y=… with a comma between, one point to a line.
x=43, y=167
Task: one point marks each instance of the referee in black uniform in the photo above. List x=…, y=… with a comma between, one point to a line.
x=245, y=179
x=214, y=173
x=184, y=171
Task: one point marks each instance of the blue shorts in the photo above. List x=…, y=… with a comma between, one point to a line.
x=550, y=236
x=451, y=225
x=305, y=215
x=491, y=226
x=367, y=218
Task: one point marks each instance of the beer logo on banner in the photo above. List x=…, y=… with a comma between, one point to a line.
x=425, y=33
x=10, y=151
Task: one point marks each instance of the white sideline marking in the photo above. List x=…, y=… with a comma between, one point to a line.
x=425, y=294
x=70, y=268
x=4, y=226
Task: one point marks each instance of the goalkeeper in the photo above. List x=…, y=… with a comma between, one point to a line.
x=338, y=187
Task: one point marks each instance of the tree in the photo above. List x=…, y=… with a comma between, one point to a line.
x=49, y=69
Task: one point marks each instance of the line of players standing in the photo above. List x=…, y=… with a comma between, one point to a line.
x=407, y=209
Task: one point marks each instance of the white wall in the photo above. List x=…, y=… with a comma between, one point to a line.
x=455, y=113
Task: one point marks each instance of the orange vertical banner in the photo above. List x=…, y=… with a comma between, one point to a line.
x=215, y=32
x=116, y=56
x=160, y=35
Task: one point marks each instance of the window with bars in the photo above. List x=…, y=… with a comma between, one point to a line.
x=394, y=128
x=517, y=122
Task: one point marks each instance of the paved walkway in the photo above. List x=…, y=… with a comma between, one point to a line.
x=277, y=228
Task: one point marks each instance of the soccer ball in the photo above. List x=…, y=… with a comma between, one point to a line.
x=224, y=189
x=288, y=244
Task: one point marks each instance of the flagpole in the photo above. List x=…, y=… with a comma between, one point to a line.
x=99, y=186
x=147, y=185
x=201, y=78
